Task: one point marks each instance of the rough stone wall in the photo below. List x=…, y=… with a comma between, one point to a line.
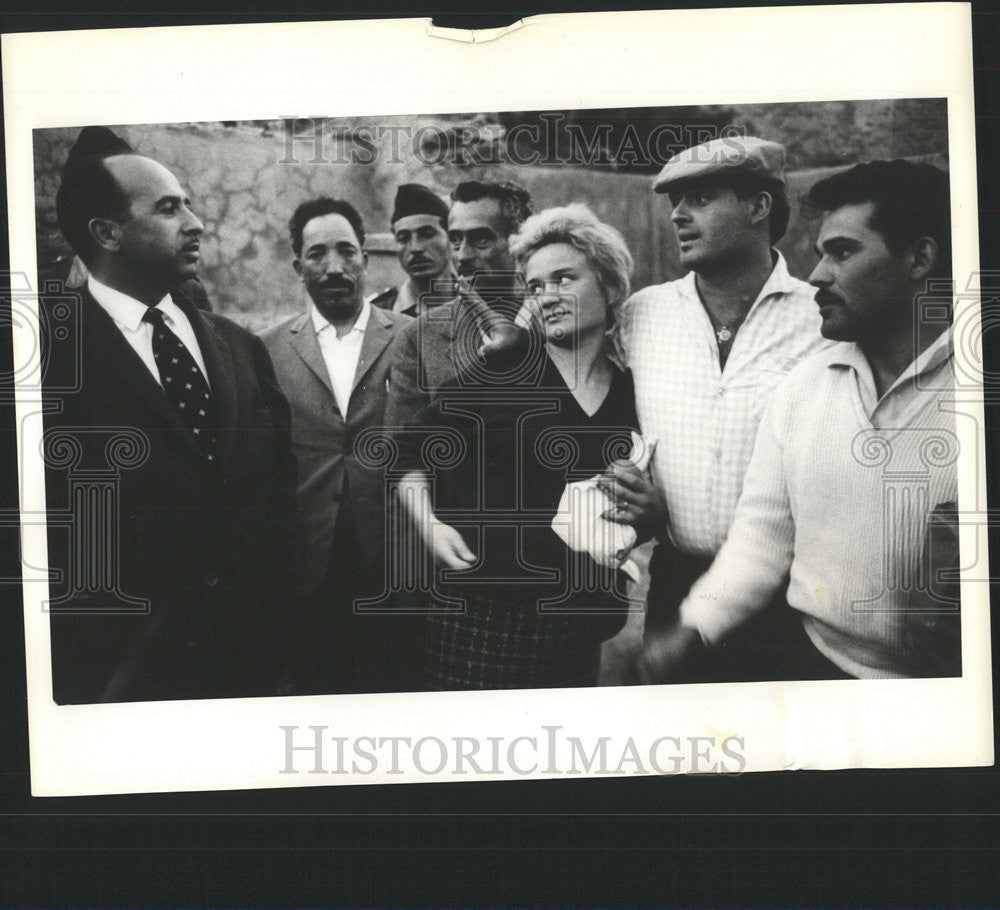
x=245, y=181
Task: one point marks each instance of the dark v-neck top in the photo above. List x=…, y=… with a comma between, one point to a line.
x=500, y=448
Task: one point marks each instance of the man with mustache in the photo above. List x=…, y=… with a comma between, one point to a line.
x=170, y=423
x=448, y=344
x=333, y=363
x=448, y=341
x=705, y=352
x=855, y=458
x=419, y=225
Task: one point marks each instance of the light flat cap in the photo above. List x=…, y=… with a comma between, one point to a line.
x=744, y=153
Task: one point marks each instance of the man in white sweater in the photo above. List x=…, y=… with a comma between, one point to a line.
x=855, y=452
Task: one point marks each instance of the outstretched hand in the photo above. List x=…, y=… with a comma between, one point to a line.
x=449, y=547
x=502, y=333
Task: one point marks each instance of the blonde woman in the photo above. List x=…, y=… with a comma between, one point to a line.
x=513, y=607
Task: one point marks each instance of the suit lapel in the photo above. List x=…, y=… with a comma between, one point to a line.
x=221, y=377
x=303, y=341
x=106, y=351
x=377, y=335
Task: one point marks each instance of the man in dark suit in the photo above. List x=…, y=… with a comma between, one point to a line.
x=170, y=476
x=332, y=362
x=192, y=288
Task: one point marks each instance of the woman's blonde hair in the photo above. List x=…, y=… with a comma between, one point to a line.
x=603, y=245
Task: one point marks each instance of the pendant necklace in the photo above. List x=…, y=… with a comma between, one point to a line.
x=725, y=332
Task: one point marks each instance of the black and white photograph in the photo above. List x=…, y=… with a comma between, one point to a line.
x=518, y=434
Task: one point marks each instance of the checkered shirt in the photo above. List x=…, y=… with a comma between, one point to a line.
x=705, y=419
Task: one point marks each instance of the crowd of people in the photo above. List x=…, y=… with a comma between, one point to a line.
x=365, y=498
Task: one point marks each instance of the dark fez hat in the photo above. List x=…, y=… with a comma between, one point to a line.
x=96, y=142
x=416, y=199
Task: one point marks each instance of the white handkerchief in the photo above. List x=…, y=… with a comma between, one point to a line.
x=579, y=524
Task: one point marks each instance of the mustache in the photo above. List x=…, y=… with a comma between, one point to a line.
x=337, y=284
x=825, y=298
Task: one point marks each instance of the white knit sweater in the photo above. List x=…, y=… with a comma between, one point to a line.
x=837, y=493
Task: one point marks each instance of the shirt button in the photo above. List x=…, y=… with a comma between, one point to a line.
x=211, y=581
x=720, y=391
x=718, y=454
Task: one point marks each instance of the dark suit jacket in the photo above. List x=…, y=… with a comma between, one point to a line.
x=205, y=555
x=324, y=442
x=195, y=291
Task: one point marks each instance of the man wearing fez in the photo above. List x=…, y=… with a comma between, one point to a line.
x=176, y=415
x=706, y=352
x=447, y=347
x=419, y=226
x=856, y=454
x=448, y=341
x=333, y=363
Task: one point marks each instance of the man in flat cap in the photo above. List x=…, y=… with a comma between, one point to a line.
x=706, y=351
x=419, y=226
x=332, y=361
x=170, y=423
x=853, y=475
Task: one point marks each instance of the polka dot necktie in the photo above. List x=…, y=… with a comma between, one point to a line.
x=186, y=388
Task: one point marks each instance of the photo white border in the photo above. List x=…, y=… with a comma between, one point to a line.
x=244, y=72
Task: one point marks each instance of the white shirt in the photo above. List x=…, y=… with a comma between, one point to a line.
x=127, y=313
x=705, y=419
x=838, y=495
x=341, y=355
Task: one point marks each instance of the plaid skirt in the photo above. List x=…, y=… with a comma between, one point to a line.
x=502, y=644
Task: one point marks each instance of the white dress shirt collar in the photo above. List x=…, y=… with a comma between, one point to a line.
x=341, y=354
x=125, y=310
x=849, y=355
x=320, y=322
x=780, y=281
x=911, y=385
